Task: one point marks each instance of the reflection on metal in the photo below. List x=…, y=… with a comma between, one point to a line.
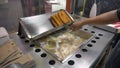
x=35, y=25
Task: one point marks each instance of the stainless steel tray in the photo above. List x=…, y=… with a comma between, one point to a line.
x=63, y=43
x=39, y=25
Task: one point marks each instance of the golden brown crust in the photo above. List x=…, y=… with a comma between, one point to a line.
x=53, y=22
x=60, y=18
x=66, y=16
x=60, y=21
x=56, y=21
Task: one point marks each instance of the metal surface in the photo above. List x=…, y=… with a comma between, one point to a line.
x=86, y=57
x=78, y=39
x=15, y=65
x=106, y=28
x=37, y=26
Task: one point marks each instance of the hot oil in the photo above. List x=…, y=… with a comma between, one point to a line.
x=64, y=42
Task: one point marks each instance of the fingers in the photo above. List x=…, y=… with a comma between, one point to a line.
x=76, y=26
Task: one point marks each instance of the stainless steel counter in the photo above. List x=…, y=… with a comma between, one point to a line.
x=86, y=57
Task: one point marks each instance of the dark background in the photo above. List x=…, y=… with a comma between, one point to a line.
x=102, y=6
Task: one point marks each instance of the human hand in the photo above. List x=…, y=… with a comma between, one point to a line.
x=76, y=25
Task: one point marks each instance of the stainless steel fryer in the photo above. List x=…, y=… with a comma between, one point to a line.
x=87, y=56
x=39, y=31
x=63, y=43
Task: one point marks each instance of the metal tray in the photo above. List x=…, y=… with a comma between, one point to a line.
x=63, y=43
x=39, y=25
